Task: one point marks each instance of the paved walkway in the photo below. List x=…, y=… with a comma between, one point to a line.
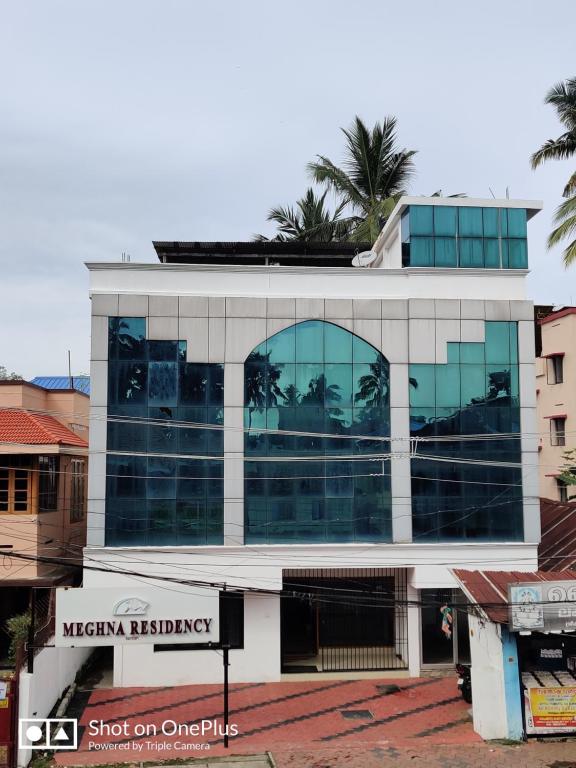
x=386, y=724
x=142, y=724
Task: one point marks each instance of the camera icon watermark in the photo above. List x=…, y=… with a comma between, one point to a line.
x=48, y=733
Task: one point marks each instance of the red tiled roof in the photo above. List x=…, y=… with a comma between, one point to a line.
x=490, y=588
x=17, y=426
x=558, y=546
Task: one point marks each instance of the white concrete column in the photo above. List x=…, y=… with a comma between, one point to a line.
x=414, y=623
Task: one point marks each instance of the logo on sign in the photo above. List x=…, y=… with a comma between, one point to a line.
x=131, y=606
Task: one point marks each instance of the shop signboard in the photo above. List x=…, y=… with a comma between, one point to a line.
x=127, y=615
x=542, y=605
x=550, y=710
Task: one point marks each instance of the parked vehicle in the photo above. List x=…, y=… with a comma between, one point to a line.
x=465, y=682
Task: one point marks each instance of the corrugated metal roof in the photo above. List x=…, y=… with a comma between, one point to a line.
x=490, y=588
x=81, y=383
x=557, y=549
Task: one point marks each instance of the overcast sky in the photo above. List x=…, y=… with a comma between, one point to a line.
x=124, y=122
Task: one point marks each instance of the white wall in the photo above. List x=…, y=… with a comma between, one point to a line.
x=324, y=282
x=54, y=670
x=488, y=692
x=258, y=661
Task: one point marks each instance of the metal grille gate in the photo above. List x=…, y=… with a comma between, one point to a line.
x=344, y=620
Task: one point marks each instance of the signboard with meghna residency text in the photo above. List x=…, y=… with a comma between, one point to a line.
x=134, y=614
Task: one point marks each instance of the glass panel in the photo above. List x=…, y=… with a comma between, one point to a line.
x=453, y=352
x=163, y=384
x=338, y=384
x=513, y=328
x=422, y=252
x=193, y=383
x=309, y=341
x=127, y=338
x=363, y=352
x=421, y=220
x=517, y=222
x=470, y=222
x=216, y=384
x=471, y=252
x=337, y=344
x=504, y=250
x=127, y=383
x=497, y=342
x=518, y=254
x=472, y=383
x=490, y=222
x=447, y=385
x=491, y=253
x=423, y=389
x=445, y=252
x=163, y=350
x=471, y=352
x=282, y=347
x=444, y=221
x=405, y=226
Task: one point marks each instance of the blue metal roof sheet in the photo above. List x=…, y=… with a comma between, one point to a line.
x=81, y=383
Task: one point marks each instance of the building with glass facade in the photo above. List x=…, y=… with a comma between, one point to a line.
x=327, y=441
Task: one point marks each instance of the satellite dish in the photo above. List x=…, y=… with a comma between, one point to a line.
x=364, y=259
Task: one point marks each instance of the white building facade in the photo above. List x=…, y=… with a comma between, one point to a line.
x=326, y=441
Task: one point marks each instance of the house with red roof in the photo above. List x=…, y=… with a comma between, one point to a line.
x=43, y=497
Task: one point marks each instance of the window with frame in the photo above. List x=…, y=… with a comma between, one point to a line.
x=562, y=490
x=555, y=369
x=15, y=491
x=558, y=431
x=77, y=485
x=47, y=483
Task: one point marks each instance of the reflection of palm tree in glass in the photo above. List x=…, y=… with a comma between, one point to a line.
x=262, y=385
x=373, y=387
x=321, y=394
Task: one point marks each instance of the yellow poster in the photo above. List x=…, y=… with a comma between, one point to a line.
x=553, y=709
x=3, y=703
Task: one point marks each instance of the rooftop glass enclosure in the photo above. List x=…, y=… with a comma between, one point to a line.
x=465, y=237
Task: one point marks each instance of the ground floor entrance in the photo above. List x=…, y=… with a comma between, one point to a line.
x=340, y=620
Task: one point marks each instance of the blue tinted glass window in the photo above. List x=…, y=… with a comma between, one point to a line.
x=445, y=221
x=445, y=252
x=337, y=389
x=491, y=253
x=127, y=338
x=422, y=252
x=468, y=489
x=470, y=222
x=490, y=222
x=517, y=222
x=421, y=220
x=471, y=252
x=309, y=341
x=423, y=385
x=161, y=405
x=337, y=344
x=518, y=254
x=405, y=226
x=281, y=348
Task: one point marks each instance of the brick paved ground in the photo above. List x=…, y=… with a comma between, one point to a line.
x=418, y=722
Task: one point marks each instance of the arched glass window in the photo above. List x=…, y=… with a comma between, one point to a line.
x=316, y=396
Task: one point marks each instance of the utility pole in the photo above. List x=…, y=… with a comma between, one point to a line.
x=225, y=662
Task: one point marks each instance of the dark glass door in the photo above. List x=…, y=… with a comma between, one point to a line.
x=437, y=648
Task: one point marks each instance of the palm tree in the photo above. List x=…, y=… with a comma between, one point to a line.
x=563, y=97
x=309, y=221
x=565, y=217
x=373, y=176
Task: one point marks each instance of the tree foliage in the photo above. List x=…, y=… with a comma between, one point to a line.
x=562, y=97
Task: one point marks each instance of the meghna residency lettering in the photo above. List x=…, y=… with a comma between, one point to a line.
x=137, y=627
